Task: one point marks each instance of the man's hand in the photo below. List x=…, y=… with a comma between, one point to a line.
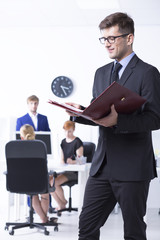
x=110, y=120
x=73, y=105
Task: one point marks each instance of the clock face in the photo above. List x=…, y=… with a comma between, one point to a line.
x=62, y=86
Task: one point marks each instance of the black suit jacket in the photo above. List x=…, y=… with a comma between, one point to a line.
x=128, y=146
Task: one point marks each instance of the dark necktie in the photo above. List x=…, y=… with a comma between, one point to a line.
x=115, y=76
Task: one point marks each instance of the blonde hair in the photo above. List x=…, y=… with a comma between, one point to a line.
x=27, y=132
x=69, y=124
x=32, y=98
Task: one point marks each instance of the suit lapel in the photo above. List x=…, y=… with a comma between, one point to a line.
x=107, y=76
x=128, y=70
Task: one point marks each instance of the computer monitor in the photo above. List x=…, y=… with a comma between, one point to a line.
x=43, y=136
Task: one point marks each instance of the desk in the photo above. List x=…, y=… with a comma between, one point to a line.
x=83, y=173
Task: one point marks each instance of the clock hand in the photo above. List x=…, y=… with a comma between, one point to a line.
x=63, y=89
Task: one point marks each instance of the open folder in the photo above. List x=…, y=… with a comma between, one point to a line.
x=124, y=100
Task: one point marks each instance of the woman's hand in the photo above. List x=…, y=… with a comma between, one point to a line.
x=70, y=161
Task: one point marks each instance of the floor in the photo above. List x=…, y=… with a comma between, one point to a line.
x=112, y=230
x=68, y=227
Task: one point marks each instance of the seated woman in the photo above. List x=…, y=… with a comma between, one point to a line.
x=71, y=147
x=40, y=205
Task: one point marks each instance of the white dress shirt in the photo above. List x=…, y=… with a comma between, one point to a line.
x=34, y=119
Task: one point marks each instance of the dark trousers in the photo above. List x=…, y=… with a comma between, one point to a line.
x=100, y=199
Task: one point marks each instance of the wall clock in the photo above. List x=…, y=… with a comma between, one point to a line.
x=62, y=86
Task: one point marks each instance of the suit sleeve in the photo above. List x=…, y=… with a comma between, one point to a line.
x=82, y=120
x=148, y=118
x=18, y=124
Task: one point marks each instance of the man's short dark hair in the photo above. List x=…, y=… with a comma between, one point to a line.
x=124, y=22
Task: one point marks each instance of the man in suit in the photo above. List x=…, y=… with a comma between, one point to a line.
x=124, y=163
x=38, y=121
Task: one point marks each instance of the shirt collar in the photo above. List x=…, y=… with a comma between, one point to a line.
x=124, y=62
x=32, y=115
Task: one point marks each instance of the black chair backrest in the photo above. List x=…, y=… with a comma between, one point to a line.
x=89, y=149
x=27, y=170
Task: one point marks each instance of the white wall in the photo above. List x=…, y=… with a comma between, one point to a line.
x=30, y=58
x=34, y=53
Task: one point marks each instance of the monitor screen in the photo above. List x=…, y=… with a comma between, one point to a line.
x=43, y=136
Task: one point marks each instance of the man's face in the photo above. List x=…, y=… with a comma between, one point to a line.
x=33, y=105
x=122, y=46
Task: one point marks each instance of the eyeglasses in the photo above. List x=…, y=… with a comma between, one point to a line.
x=111, y=39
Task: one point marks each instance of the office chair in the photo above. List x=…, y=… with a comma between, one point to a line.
x=27, y=173
x=89, y=149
